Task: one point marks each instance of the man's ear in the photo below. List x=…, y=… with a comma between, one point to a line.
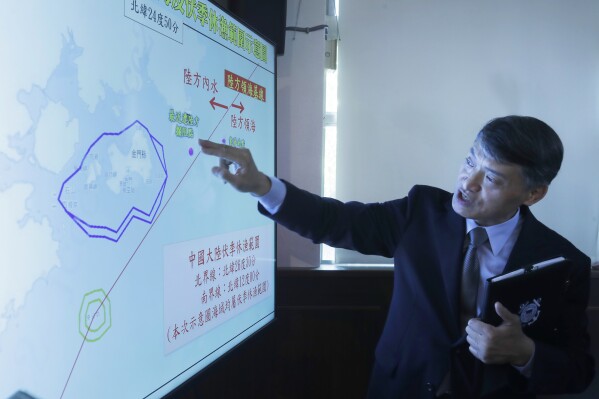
x=536, y=194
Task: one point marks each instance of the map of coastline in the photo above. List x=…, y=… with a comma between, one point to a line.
x=63, y=99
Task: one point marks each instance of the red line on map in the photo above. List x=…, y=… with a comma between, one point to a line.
x=139, y=245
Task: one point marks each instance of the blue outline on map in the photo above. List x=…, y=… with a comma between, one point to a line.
x=139, y=214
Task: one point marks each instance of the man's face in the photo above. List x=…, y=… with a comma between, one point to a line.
x=488, y=191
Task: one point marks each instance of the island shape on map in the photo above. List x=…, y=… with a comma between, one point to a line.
x=121, y=177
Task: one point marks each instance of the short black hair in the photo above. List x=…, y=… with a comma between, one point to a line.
x=525, y=141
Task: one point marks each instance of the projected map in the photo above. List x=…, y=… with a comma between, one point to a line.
x=125, y=266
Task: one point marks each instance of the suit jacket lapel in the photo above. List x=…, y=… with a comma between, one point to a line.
x=531, y=241
x=451, y=233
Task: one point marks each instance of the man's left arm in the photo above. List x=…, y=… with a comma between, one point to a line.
x=504, y=344
x=559, y=364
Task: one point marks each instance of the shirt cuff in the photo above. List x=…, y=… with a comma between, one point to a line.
x=272, y=200
x=526, y=370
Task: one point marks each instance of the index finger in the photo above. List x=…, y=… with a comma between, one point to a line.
x=476, y=325
x=218, y=150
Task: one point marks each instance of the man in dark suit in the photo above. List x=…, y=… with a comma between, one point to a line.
x=430, y=342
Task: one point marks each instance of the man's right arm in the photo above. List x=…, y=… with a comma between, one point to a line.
x=367, y=228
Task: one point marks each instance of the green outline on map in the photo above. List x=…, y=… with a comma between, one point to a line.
x=94, y=334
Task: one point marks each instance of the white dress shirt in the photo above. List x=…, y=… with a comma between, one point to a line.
x=272, y=200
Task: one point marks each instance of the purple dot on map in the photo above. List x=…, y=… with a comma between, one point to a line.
x=224, y=141
x=190, y=151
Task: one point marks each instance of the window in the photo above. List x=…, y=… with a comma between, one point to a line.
x=329, y=189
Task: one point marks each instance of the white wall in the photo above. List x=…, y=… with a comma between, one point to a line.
x=420, y=78
x=300, y=106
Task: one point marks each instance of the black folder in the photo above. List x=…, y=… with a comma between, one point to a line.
x=535, y=292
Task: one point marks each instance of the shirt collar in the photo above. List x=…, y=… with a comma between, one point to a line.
x=499, y=233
